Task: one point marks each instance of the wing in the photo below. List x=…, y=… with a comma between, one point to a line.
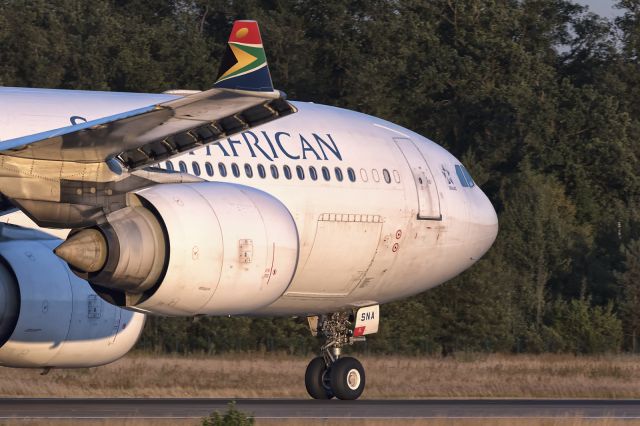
x=242, y=97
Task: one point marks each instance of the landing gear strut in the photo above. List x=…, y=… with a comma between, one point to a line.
x=331, y=374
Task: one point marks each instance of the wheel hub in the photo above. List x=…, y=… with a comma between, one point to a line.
x=353, y=379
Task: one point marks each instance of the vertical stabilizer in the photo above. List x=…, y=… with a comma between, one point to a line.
x=244, y=65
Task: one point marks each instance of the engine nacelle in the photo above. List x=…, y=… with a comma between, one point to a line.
x=192, y=248
x=51, y=318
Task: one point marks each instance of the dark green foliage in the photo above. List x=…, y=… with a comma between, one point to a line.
x=232, y=417
x=579, y=327
x=213, y=335
x=539, y=98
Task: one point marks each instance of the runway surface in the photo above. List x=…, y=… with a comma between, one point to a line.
x=98, y=408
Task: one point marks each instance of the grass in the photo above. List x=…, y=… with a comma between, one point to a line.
x=277, y=375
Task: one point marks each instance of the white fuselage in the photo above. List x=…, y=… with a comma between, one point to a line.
x=389, y=214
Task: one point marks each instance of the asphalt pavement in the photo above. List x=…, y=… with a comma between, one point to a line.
x=183, y=408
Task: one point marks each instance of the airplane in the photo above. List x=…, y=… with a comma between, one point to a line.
x=228, y=201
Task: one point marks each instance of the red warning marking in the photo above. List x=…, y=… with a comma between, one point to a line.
x=395, y=247
x=359, y=331
x=398, y=234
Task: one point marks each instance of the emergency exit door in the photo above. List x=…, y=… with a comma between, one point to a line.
x=427, y=191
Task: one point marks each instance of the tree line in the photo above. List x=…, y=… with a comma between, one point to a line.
x=540, y=99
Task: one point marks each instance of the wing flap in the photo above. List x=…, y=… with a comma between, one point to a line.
x=188, y=134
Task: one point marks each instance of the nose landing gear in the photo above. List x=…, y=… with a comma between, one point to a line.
x=332, y=375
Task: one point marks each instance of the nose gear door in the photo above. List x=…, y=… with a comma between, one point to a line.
x=427, y=191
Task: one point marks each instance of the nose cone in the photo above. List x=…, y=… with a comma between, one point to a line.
x=85, y=250
x=483, y=225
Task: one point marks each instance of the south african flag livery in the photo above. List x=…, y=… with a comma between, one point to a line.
x=244, y=65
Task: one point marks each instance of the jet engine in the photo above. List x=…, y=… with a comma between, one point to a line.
x=189, y=248
x=49, y=317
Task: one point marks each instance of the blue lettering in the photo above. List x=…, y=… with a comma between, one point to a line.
x=273, y=151
x=324, y=148
x=233, y=148
x=284, y=151
x=256, y=143
x=333, y=149
x=219, y=145
x=253, y=154
x=307, y=147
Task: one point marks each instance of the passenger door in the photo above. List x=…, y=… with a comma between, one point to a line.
x=427, y=191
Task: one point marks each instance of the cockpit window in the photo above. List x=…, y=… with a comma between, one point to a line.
x=464, y=176
x=469, y=178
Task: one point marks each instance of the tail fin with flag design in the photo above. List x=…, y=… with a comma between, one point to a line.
x=244, y=65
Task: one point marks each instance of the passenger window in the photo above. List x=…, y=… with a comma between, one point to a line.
x=183, y=167
x=261, y=171
x=209, y=168
x=387, y=176
x=339, y=175
x=351, y=174
x=248, y=170
x=300, y=172
x=325, y=174
x=363, y=175
x=222, y=169
x=376, y=175
x=313, y=173
x=196, y=168
x=235, y=169
x=396, y=176
x=287, y=172
x=170, y=166
x=274, y=171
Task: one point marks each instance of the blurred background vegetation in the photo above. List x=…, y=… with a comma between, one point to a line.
x=539, y=98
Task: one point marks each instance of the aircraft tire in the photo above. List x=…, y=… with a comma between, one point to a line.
x=314, y=379
x=347, y=378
